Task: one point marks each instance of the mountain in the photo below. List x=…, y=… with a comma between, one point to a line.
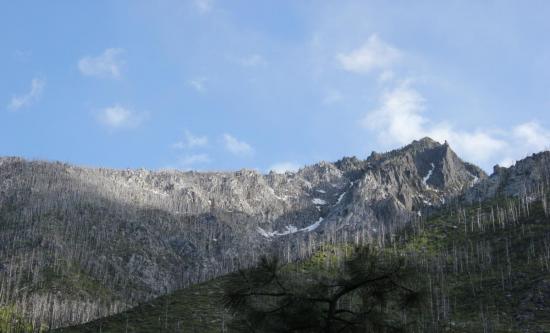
x=483, y=256
x=482, y=267
x=80, y=243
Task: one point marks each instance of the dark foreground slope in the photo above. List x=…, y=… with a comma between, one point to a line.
x=198, y=308
x=486, y=268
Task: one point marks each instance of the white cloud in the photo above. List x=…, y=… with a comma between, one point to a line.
x=204, y=6
x=399, y=119
x=235, y=146
x=186, y=162
x=532, y=134
x=191, y=141
x=253, y=60
x=284, y=167
x=106, y=65
x=117, y=117
x=507, y=162
x=198, y=84
x=374, y=54
x=386, y=76
x=26, y=100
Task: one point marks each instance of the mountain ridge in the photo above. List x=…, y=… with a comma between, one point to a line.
x=137, y=234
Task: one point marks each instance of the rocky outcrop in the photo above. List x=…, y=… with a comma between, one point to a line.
x=395, y=185
x=525, y=177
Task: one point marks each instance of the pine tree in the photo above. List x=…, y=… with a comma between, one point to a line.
x=371, y=292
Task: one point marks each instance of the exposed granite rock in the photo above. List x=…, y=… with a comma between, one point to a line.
x=522, y=178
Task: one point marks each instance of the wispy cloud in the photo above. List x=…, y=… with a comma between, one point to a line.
x=191, y=141
x=284, y=167
x=253, y=60
x=188, y=161
x=106, y=65
x=374, y=54
x=236, y=147
x=22, y=55
x=402, y=116
x=386, y=76
x=198, y=84
x=533, y=134
x=399, y=119
x=204, y=6
x=118, y=117
x=26, y=100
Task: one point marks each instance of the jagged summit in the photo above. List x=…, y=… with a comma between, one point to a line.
x=415, y=146
x=425, y=142
x=426, y=156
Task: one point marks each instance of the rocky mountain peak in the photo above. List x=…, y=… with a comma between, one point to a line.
x=433, y=164
x=393, y=185
x=425, y=142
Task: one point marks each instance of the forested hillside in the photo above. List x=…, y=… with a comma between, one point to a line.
x=484, y=268
x=78, y=244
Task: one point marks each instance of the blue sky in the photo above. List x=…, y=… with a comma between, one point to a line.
x=218, y=85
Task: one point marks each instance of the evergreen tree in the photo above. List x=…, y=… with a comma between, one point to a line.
x=370, y=292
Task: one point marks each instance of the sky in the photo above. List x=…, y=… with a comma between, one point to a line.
x=270, y=85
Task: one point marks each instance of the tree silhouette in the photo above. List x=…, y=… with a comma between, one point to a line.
x=370, y=292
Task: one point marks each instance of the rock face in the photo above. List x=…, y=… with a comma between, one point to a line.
x=422, y=173
x=523, y=178
x=135, y=234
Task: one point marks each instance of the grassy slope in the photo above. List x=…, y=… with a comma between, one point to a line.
x=504, y=288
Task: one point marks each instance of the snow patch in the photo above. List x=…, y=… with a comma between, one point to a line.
x=313, y=226
x=430, y=172
x=157, y=192
x=265, y=233
x=164, y=194
x=321, y=191
x=289, y=229
x=318, y=201
x=340, y=197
